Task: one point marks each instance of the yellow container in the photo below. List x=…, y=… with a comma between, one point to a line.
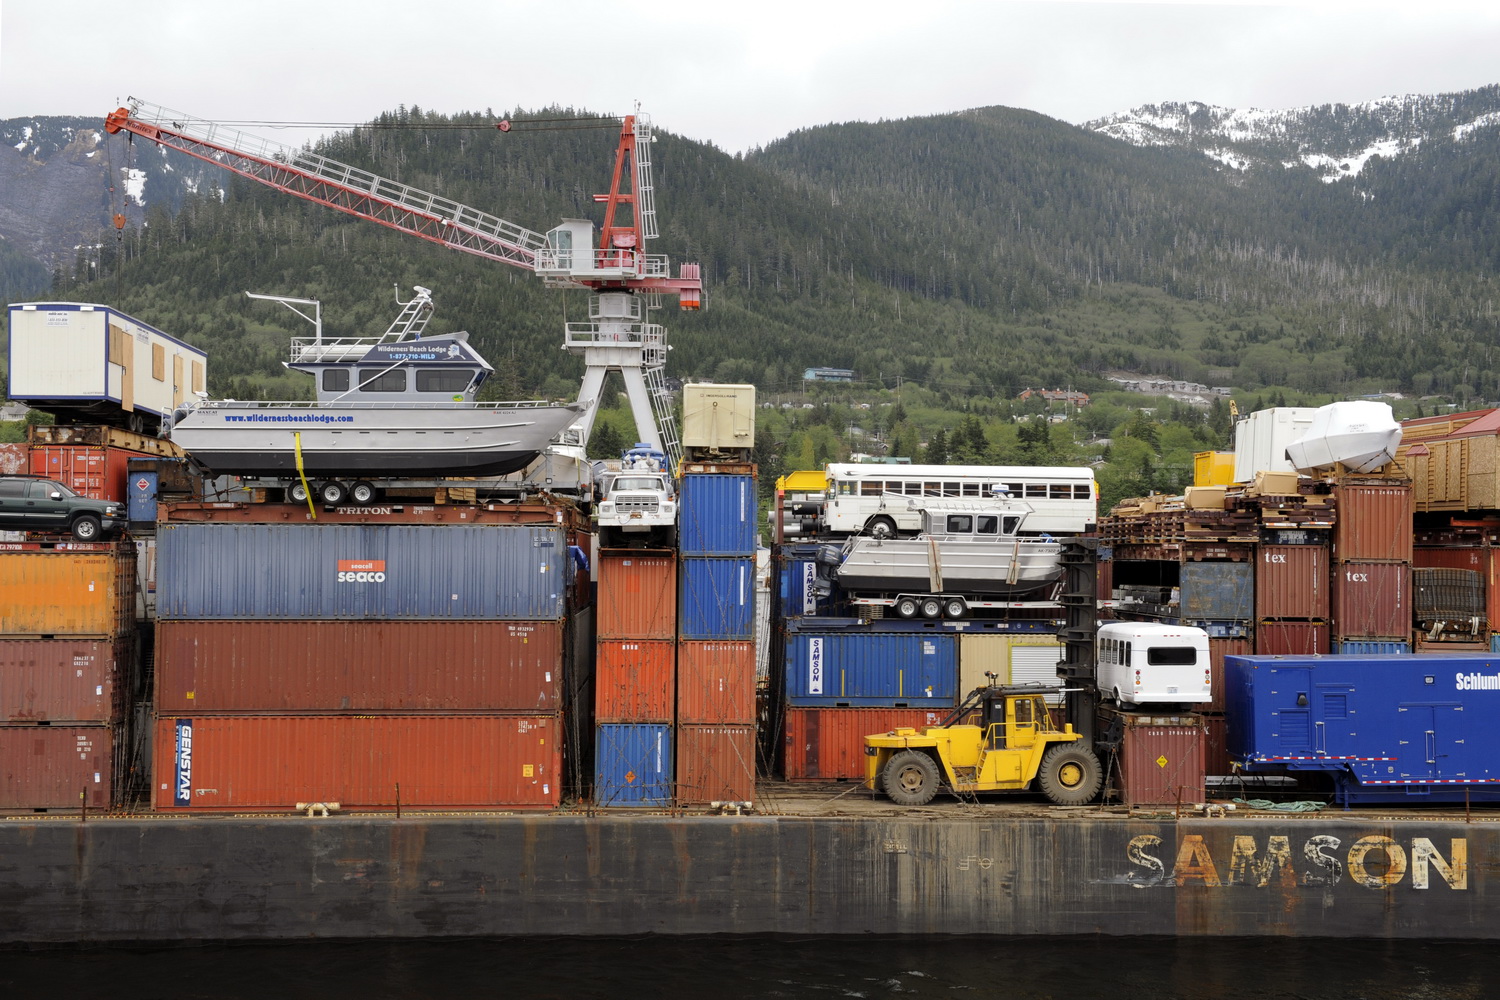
x=1213, y=468
x=1014, y=658
x=67, y=591
x=803, y=482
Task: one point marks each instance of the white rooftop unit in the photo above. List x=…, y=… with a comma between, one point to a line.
x=1261, y=439
x=1360, y=434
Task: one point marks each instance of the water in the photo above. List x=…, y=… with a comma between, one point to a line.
x=723, y=969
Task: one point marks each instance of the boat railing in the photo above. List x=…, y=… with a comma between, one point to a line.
x=310, y=349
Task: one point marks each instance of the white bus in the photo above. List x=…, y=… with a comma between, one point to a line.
x=872, y=497
x=1141, y=663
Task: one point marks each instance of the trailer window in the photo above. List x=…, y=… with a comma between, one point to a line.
x=1171, y=656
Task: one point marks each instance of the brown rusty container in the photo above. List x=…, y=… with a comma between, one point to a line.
x=828, y=744
x=1162, y=758
x=67, y=588
x=1216, y=759
x=634, y=680
x=715, y=764
x=14, y=459
x=1218, y=648
x=56, y=767
x=637, y=596
x=1372, y=600
x=1291, y=638
x=1291, y=581
x=64, y=680
x=285, y=667
x=273, y=762
x=1373, y=522
x=716, y=681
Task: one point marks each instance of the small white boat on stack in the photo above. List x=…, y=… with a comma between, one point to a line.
x=1361, y=435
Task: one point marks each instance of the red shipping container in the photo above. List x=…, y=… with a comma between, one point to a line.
x=1372, y=601
x=1216, y=758
x=1291, y=581
x=1480, y=559
x=1291, y=638
x=64, y=680
x=633, y=680
x=827, y=744
x=715, y=764
x=1162, y=762
x=284, y=667
x=56, y=767
x=1217, y=650
x=637, y=595
x=359, y=762
x=716, y=681
x=1105, y=583
x=1373, y=521
x=91, y=470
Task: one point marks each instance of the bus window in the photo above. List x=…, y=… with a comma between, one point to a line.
x=1035, y=489
x=952, y=489
x=1060, y=491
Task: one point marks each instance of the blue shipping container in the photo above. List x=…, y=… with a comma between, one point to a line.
x=716, y=515
x=380, y=571
x=716, y=598
x=1217, y=590
x=1379, y=647
x=1382, y=728
x=871, y=669
x=633, y=765
x=140, y=497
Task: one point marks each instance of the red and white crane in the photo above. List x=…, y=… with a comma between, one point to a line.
x=626, y=282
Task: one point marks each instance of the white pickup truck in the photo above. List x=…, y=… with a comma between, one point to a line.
x=639, y=505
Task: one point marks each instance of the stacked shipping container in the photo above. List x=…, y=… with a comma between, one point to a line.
x=1372, y=558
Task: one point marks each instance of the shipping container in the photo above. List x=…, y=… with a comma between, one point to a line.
x=1162, y=758
x=1374, y=521
x=633, y=765
x=1019, y=658
x=1216, y=746
x=1378, y=728
x=637, y=596
x=716, y=682
x=1218, y=648
x=828, y=744
x=141, y=489
x=1372, y=647
x=715, y=764
x=1479, y=558
x=1218, y=590
x=634, y=680
x=716, y=516
x=273, y=762
x=15, y=458
x=1372, y=600
x=1291, y=638
x=716, y=598
x=57, y=767
x=871, y=669
x=88, y=470
x=329, y=571
x=799, y=574
x=80, y=358
x=1291, y=581
x=718, y=418
x=1260, y=439
x=339, y=667
x=67, y=588
x=65, y=680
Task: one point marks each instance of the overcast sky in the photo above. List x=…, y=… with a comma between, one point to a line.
x=738, y=74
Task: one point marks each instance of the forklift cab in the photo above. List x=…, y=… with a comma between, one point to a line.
x=1013, y=721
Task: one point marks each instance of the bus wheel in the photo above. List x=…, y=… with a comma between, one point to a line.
x=881, y=527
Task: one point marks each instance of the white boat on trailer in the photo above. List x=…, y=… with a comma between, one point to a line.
x=400, y=405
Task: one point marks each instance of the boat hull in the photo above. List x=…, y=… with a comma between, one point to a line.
x=924, y=565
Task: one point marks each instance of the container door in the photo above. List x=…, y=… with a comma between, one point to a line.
x=1293, y=724
x=1333, y=724
x=1426, y=741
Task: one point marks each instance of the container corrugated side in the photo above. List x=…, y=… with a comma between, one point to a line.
x=637, y=596
x=1220, y=590
x=1291, y=638
x=1162, y=763
x=715, y=764
x=98, y=472
x=1218, y=648
x=64, y=680
x=361, y=762
x=716, y=682
x=69, y=589
x=1372, y=600
x=358, y=666
x=1020, y=658
x=797, y=597
x=1291, y=581
x=872, y=669
x=328, y=571
x=716, y=598
x=56, y=767
x=634, y=680
x=633, y=765
x=1378, y=647
x=716, y=515
x=827, y=744
x=1374, y=522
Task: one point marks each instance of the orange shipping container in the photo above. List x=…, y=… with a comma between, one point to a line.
x=637, y=595
x=1291, y=581
x=716, y=681
x=827, y=744
x=360, y=762
x=67, y=588
x=1372, y=600
x=1373, y=522
x=715, y=764
x=56, y=767
x=633, y=680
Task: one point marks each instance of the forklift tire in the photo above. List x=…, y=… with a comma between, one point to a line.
x=910, y=778
x=1070, y=775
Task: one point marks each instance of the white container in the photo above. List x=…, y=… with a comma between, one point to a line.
x=1144, y=663
x=76, y=357
x=718, y=418
x=1260, y=440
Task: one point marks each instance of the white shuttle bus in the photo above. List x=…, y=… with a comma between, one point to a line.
x=872, y=498
x=1146, y=663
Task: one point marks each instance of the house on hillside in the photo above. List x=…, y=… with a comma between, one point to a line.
x=1070, y=396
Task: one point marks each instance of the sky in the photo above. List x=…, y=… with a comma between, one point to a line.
x=734, y=73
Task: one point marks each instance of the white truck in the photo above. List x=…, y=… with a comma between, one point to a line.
x=1147, y=663
x=639, y=507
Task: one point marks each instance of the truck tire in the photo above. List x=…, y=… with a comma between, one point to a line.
x=1070, y=775
x=332, y=492
x=363, y=493
x=954, y=607
x=296, y=493
x=910, y=778
x=906, y=607
x=881, y=527
x=932, y=608
x=85, y=528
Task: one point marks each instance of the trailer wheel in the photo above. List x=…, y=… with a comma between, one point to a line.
x=954, y=607
x=906, y=607
x=1070, y=775
x=932, y=607
x=362, y=493
x=296, y=492
x=910, y=778
x=332, y=492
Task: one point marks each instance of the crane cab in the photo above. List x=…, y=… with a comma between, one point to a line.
x=570, y=254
